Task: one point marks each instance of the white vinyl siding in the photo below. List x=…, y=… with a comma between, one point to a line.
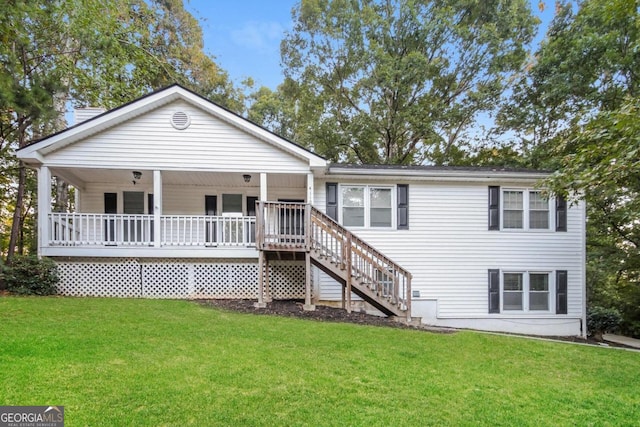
x=449, y=249
x=151, y=142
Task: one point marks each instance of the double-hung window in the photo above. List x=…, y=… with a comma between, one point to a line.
x=525, y=292
x=525, y=210
x=366, y=206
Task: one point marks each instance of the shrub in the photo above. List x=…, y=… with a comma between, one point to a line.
x=601, y=320
x=28, y=275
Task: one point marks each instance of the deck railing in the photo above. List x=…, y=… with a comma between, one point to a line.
x=301, y=227
x=186, y=230
x=85, y=229
x=282, y=225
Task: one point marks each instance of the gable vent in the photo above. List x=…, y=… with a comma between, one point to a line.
x=180, y=120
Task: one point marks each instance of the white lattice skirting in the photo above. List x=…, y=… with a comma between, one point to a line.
x=176, y=278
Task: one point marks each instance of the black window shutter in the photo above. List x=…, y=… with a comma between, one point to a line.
x=150, y=204
x=494, y=291
x=494, y=208
x=403, y=206
x=561, y=292
x=110, y=203
x=332, y=200
x=561, y=214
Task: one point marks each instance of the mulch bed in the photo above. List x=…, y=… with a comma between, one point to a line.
x=293, y=308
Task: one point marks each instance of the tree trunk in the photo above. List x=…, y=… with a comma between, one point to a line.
x=62, y=196
x=16, y=225
x=61, y=188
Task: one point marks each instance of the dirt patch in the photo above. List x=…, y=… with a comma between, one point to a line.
x=294, y=308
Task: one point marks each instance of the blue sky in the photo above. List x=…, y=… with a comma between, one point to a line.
x=244, y=35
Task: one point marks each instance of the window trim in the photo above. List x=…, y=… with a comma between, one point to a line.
x=526, y=211
x=526, y=289
x=367, y=205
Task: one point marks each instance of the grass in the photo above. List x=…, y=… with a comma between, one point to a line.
x=149, y=362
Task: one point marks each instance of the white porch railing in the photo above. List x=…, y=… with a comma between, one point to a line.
x=188, y=230
x=85, y=229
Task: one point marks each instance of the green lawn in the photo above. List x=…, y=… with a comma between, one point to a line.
x=144, y=362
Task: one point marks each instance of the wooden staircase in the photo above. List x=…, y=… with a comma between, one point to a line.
x=298, y=228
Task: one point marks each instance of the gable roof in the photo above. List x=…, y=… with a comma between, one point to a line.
x=37, y=149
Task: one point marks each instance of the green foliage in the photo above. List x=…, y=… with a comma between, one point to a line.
x=601, y=320
x=574, y=109
x=95, y=52
x=602, y=168
x=140, y=362
x=587, y=63
x=28, y=275
x=400, y=82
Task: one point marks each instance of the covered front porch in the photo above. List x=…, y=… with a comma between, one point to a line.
x=122, y=212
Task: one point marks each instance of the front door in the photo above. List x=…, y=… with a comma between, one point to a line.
x=133, y=204
x=251, y=211
x=110, y=207
x=211, y=229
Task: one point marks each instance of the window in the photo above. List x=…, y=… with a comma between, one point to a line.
x=380, y=206
x=513, y=291
x=513, y=209
x=232, y=203
x=525, y=291
x=522, y=292
x=524, y=210
x=353, y=206
x=133, y=202
x=538, y=292
x=366, y=206
x=538, y=211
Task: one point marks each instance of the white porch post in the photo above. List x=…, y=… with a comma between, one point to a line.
x=44, y=206
x=76, y=199
x=157, y=208
x=263, y=186
x=310, y=188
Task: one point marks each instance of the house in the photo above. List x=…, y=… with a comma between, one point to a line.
x=177, y=197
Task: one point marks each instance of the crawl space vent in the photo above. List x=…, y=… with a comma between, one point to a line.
x=180, y=120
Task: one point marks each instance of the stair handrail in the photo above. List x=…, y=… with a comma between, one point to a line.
x=383, y=264
x=344, y=248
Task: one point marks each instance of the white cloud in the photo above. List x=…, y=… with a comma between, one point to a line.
x=262, y=36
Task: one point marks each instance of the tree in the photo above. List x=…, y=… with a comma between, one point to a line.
x=401, y=81
x=573, y=110
x=587, y=63
x=98, y=52
x=604, y=170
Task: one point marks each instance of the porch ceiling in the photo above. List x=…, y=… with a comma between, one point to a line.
x=80, y=177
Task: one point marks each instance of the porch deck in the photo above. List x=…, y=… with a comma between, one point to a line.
x=278, y=231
